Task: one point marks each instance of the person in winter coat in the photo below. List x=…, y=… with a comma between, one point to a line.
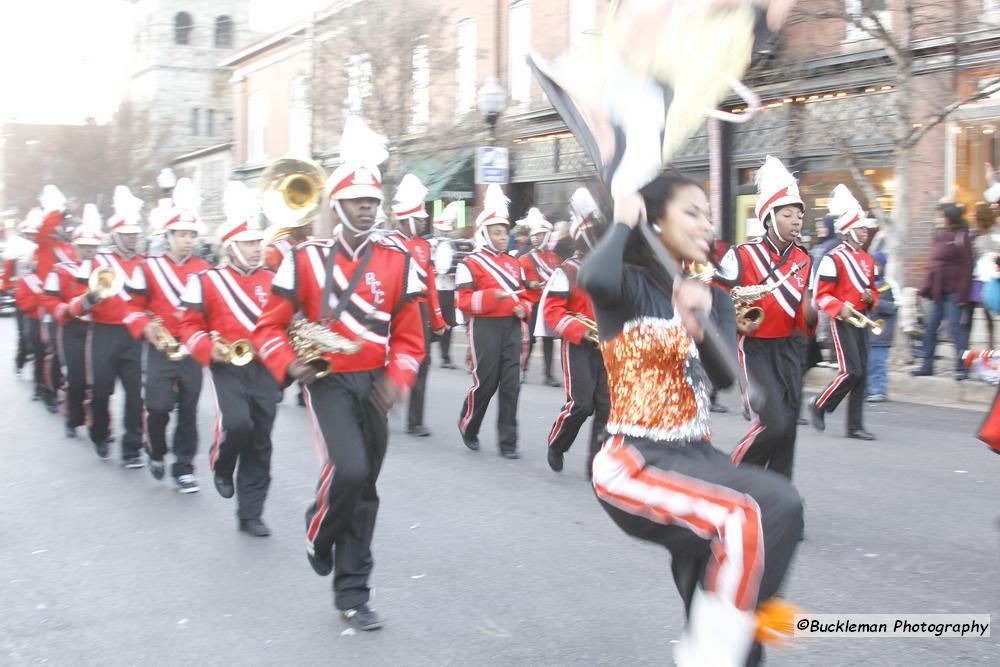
x=877, y=389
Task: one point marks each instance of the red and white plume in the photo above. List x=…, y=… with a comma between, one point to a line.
x=409, y=200
x=89, y=231
x=494, y=207
x=242, y=211
x=775, y=187
x=846, y=209
x=126, y=217
x=362, y=150
x=187, y=203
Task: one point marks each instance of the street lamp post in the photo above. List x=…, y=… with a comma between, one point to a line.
x=491, y=100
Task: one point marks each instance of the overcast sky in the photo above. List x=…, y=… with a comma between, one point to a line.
x=64, y=60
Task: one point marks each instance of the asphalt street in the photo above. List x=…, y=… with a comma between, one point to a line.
x=479, y=560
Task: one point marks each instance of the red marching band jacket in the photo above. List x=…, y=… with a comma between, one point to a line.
x=277, y=253
x=156, y=288
x=843, y=276
x=760, y=261
x=538, y=266
x=225, y=301
x=563, y=299
x=478, y=278
x=382, y=312
x=115, y=309
x=420, y=253
x=27, y=295
x=62, y=285
x=51, y=251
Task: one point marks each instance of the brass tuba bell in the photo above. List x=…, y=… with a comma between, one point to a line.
x=105, y=282
x=291, y=194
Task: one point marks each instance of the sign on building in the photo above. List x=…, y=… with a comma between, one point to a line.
x=492, y=165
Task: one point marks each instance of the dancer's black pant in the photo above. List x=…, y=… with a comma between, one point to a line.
x=772, y=370
x=169, y=384
x=73, y=345
x=732, y=530
x=586, y=382
x=246, y=402
x=342, y=517
x=415, y=413
x=113, y=354
x=447, y=299
x=495, y=343
x=850, y=344
x=548, y=344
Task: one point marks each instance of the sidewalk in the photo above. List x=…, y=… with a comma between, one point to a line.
x=939, y=391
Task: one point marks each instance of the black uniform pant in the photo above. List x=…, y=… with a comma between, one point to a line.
x=447, y=299
x=732, y=530
x=113, y=354
x=415, y=414
x=772, y=369
x=495, y=344
x=72, y=345
x=548, y=344
x=354, y=434
x=586, y=382
x=246, y=400
x=169, y=384
x=33, y=334
x=24, y=344
x=53, y=379
x=850, y=344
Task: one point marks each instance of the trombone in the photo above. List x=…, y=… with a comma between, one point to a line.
x=105, y=282
x=239, y=353
x=858, y=319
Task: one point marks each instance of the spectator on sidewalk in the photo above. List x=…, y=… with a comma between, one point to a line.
x=877, y=389
x=984, y=247
x=948, y=282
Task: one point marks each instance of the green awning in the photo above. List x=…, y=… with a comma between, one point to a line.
x=448, y=171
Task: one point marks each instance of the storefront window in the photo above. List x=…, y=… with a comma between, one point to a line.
x=975, y=145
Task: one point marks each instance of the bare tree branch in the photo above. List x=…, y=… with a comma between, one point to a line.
x=985, y=90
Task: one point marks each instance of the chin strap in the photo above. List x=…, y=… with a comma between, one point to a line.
x=347, y=223
x=242, y=261
x=854, y=237
x=774, y=226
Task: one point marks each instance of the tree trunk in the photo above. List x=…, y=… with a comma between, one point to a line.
x=898, y=232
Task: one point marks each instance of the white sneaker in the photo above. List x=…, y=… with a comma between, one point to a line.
x=186, y=484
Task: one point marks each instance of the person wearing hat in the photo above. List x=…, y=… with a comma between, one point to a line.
x=53, y=232
x=17, y=257
x=156, y=289
x=220, y=307
x=61, y=287
x=285, y=238
x=538, y=265
x=364, y=289
x=444, y=225
x=112, y=354
x=490, y=286
x=411, y=216
x=563, y=305
x=27, y=298
x=846, y=277
x=769, y=356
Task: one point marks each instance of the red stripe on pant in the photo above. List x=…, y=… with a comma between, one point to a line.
x=322, y=505
x=475, y=378
x=568, y=382
x=213, y=451
x=748, y=440
x=841, y=364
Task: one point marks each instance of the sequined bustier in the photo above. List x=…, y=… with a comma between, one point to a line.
x=657, y=389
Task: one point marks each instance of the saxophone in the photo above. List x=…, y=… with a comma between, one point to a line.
x=744, y=296
x=310, y=340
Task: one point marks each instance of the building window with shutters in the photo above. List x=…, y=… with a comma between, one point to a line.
x=195, y=117
x=299, y=121
x=183, y=25
x=359, y=82
x=466, y=72
x=518, y=48
x=223, y=32
x=257, y=127
x=421, y=112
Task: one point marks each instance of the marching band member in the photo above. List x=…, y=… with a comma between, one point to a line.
x=569, y=312
x=444, y=225
x=62, y=285
x=538, y=265
x=53, y=247
x=770, y=358
x=731, y=531
x=411, y=216
x=172, y=376
x=357, y=294
x=27, y=298
x=17, y=257
x=490, y=286
x=221, y=307
x=844, y=286
x=111, y=351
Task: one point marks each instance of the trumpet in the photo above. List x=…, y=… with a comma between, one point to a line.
x=591, y=325
x=744, y=296
x=310, y=340
x=857, y=318
x=239, y=353
x=105, y=282
x=167, y=344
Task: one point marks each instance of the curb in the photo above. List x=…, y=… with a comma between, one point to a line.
x=940, y=392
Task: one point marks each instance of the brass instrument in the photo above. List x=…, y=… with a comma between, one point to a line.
x=744, y=296
x=239, y=353
x=591, y=325
x=702, y=271
x=105, y=282
x=167, y=344
x=857, y=319
x=291, y=195
x=310, y=340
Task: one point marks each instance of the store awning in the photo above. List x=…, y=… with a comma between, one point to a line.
x=447, y=174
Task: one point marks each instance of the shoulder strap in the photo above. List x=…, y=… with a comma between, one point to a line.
x=345, y=295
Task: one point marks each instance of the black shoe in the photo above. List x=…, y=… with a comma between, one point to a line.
x=110, y=440
x=362, y=618
x=803, y=421
x=718, y=408
x=255, y=527
x=552, y=382
x=920, y=372
x=157, y=468
x=133, y=461
x=186, y=484
x=746, y=414
x=224, y=485
x=471, y=441
x=961, y=375
x=419, y=430
x=510, y=454
x=860, y=434
x=448, y=364
x=524, y=377
x=70, y=431
x=555, y=459
x=103, y=451
x=322, y=564
x=301, y=400
x=52, y=406
x=816, y=416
